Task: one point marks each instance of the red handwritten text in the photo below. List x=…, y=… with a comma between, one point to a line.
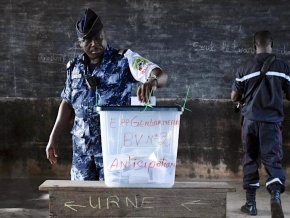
x=139, y=163
x=137, y=122
x=135, y=139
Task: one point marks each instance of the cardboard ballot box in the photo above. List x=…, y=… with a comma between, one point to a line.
x=139, y=145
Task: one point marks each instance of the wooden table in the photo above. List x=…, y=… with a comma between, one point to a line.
x=95, y=199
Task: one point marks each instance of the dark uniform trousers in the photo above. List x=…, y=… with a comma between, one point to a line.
x=262, y=142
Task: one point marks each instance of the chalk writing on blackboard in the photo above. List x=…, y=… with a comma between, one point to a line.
x=232, y=47
x=204, y=46
x=283, y=50
x=50, y=58
x=223, y=46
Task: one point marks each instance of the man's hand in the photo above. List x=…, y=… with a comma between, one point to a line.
x=65, y=114
x=51, y=152
x=156, y=79
x=145, y=90
x=235, y=96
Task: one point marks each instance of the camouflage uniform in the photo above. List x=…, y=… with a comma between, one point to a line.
x=114, y=89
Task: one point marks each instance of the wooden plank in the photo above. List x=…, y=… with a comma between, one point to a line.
x=138, y=203
x=69, y=185
x=95, y=199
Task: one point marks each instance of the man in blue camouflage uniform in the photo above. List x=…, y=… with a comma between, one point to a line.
x=262, y=124
x=101, y=76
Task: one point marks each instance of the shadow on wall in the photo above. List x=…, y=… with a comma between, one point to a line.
x=25, y=128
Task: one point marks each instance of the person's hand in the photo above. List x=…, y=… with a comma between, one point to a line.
x=145, y=90
x=51, y=152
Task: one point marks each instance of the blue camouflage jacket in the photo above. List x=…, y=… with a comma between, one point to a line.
x=114, y=89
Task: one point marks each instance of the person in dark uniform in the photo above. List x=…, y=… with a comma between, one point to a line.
x=101, y=76
x=262, y=124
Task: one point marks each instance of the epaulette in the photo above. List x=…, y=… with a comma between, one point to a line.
x=122, y=51
x=69, y=64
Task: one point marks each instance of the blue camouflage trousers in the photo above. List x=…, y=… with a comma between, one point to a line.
x=87, y=160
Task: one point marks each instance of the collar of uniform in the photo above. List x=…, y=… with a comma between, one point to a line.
x=261, y=56
x=108, y=52
x=106, y=57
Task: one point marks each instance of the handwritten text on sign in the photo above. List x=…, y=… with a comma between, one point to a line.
x=118, y=164
x=139, y=122
x=155, y=131
x=141, y=147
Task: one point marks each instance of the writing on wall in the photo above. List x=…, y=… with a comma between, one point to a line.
x=233, y=47
x=50, y=58
x=203, y=41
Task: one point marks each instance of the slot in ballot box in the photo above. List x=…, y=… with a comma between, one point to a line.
x=139, y=145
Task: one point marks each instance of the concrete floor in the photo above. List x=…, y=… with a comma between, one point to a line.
x=21, y=198
x=236, y=199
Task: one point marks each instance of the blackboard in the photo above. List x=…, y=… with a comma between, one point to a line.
x=198, y=43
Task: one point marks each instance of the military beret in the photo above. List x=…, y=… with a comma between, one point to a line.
x=89, y=25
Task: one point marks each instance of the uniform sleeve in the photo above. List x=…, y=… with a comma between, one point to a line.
x=140, y=67
x=238, y=84
x=66, y=92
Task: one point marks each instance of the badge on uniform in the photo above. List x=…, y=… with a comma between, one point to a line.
x=76, y=76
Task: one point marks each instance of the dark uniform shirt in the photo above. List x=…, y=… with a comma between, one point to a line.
x=267, y=102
